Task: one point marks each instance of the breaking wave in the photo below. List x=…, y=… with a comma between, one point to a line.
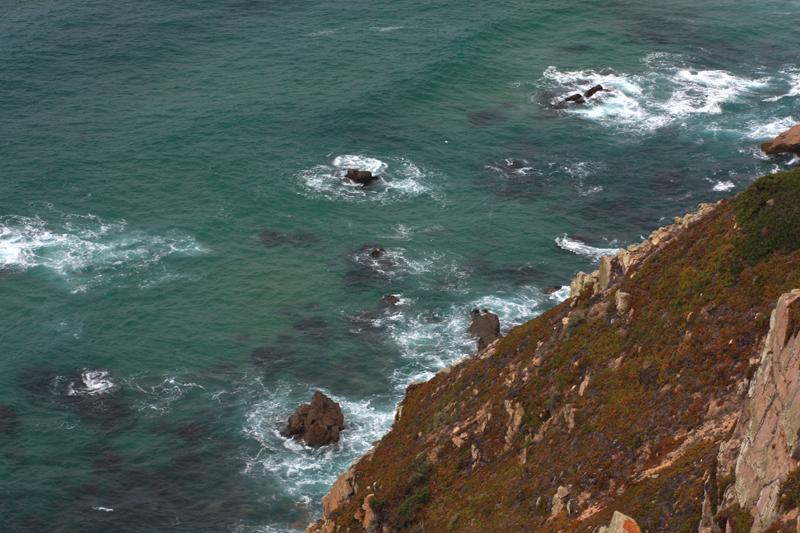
x=85, y=249
x=577, y=247
x=669, y=91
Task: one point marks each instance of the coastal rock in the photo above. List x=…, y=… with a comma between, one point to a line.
x=622, y=301
x=317, y=423
x=770, y=420
x=485, y=326
x=787, y=142
x=363, y=177
x=377, y=252
x=621, y=523
x=579, y=98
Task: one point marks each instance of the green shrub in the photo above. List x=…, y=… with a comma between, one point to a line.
x=768, y=215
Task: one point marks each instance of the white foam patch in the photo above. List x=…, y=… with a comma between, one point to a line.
x=394, y=262
x=767, y=130
x=399, y=179
x=667, y=92
x=790, y=78
x=93, y=383
x=722, y=186
x=560, y=295
x=86, y=249
x=103, y=509
x=384, y=29
x=577, y=247
x=160, y=396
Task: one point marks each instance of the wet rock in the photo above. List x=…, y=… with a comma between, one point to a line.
x=594, y=90
x=390, y=300
x=787, y=142
x=485, y=326
x=377, y=252
x=362, y=177
x=576, y=98
x=552, y=290
x=317, y=423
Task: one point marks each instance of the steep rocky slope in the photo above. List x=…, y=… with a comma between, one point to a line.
x=665, y=388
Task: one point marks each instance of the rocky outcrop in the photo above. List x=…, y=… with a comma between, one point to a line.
x=614, y=267
x=787, y=142
x=770, y=421
x=485, y=326
x=317, y=423
x=362, y=177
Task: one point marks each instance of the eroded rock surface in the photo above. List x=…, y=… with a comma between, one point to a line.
x=787, y=142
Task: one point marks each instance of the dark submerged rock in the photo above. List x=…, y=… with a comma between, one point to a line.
x=390, y=300
x=317, y=423
x=271, y=238
x=594, y=90
x=485, y=326
x=576, y=98
x=363, y=177
x=9, y=420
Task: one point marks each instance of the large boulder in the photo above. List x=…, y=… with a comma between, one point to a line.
x=363, y=177
x=485, y=326
x=787, y=142
x=317, y=423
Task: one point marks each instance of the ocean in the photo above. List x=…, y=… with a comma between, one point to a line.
x=182, y=264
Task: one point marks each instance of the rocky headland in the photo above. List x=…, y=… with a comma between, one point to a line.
x=662, y=395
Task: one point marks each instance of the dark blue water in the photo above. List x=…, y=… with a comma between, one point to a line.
x=181, y=263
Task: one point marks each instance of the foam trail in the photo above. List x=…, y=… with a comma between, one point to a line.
x=577, y=247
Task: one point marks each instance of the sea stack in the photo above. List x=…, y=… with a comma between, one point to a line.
x=485, y=326
x=317, y=423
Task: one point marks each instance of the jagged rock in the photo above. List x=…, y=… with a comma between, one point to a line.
x=582, y=283
x=770, y=421
x=341, y=492
x=787, y=142
x=369, y=520
x=623, y=302
x=560, y=500
x=318, y=423
x=485, y=326
x=621, y=523
x=610, y=269
x=579, y=98
x=363, y=177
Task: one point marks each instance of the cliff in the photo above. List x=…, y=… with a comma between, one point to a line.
x=665, y=388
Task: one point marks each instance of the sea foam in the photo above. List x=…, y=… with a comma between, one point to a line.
x=577, y=247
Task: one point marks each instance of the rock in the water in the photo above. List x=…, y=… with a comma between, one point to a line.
x=377, y=252
x=364, y=177
x=576, y=98
x=390, y=300
x=485, y=326
x=594, y=90
x=787, y=142
x=318, y=423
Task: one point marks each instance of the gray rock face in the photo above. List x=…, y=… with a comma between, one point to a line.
x=770, y=420
x=485, y=326
x=317, y=423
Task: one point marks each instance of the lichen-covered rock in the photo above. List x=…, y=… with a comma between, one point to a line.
x=771, y=417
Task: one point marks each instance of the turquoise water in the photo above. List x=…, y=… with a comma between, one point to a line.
x=181, y=263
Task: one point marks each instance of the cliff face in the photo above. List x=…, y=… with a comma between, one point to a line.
x=667, y=387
